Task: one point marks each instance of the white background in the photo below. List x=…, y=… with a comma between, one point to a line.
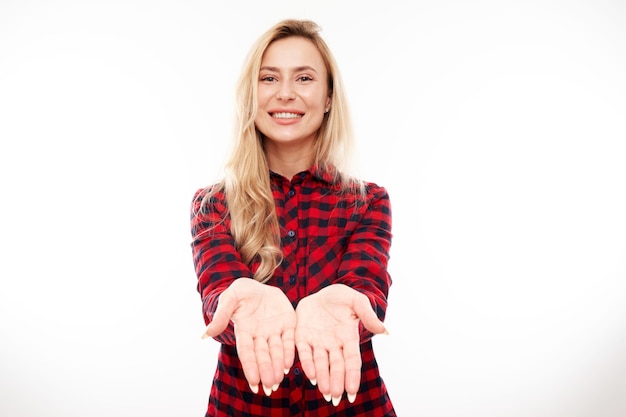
x=498, y=128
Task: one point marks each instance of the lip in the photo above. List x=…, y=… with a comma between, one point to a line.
x=285, y=110
x=286, y=121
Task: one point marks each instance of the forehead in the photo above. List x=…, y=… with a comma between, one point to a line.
x=293, y=52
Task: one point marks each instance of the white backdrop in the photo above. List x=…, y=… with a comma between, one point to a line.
x=498, y=127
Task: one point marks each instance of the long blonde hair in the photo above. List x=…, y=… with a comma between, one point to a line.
x=246, y=184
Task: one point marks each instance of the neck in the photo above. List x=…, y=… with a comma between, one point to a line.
x=288, y=162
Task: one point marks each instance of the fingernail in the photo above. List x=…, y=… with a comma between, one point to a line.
x=386, y=333
x=327, y=397
x=286, y=371
x=254, y=388
x=204, y=335
x=336, y=401
x=351, y=398
x=268, y=391
x=275, y=387
x=313, y=382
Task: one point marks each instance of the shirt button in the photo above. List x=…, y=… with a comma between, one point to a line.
x=292, y=280
x=291, y=233
x=291, y=193
x=296, y=371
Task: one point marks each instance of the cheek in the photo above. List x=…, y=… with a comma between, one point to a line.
x=265, y=92
x=314, y=101
x=323, y=100
x=259, y=119
x=263, y=96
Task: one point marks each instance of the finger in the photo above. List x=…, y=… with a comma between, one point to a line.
x=264, y=363
x=247, y=357
x=320, y=359
x=352, y=360
x=278, y=359
x=364, y=311
x=337, y=374
x=305, y=353
x=289, y=352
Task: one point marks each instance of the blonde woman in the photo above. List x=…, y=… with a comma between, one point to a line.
x=290, y=248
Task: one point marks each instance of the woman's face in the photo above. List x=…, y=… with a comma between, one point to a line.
x=292, y=92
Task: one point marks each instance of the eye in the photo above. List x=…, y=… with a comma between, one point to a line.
x=268, y=78
x=304, y=78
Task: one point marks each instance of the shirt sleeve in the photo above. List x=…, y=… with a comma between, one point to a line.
x=364, y=263
x=216, y=260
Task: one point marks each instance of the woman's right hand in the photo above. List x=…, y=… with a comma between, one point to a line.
x=264, y=323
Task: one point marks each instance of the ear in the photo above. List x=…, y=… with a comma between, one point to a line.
x=329, y=101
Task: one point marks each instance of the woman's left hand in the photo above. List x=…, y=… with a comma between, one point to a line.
x=327, y=338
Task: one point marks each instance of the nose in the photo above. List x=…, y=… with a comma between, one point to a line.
x=285, y=91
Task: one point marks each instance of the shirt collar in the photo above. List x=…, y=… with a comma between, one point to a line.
x=326, y=175
x=315, y=171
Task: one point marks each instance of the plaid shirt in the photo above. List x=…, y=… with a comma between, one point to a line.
x=326, y=238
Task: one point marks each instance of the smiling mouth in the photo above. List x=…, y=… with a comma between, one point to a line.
x=285, y=115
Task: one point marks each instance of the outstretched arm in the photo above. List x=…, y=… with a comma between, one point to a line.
x=333, y=322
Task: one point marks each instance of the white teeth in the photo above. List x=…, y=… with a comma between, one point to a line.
x=286, y=115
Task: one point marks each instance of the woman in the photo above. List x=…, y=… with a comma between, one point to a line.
x=290, y=250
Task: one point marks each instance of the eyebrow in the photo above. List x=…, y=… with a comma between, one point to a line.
x=296, y=69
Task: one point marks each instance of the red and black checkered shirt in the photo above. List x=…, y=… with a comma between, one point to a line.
x=327, y=237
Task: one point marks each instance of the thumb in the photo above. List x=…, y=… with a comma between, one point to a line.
x=364, y=311
x=221, y=317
